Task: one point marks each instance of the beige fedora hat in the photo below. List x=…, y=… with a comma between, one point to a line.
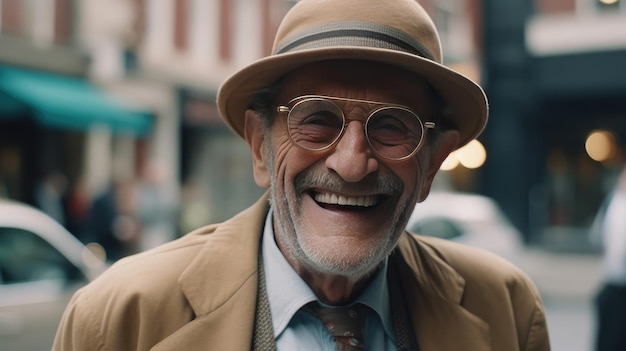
x=396, y=32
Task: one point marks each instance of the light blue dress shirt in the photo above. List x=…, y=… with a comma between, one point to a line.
x=298, y=330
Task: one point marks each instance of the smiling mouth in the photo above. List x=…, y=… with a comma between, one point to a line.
x=356, y=201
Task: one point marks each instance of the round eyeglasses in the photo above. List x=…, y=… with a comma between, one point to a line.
x=316, y=123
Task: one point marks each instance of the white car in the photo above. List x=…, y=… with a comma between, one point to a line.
x=472, y=219
x=41, y=266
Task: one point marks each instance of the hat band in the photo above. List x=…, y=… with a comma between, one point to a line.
x=359, y=34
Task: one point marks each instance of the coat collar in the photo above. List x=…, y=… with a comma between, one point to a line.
x=433, y=294
x=221, y=285
x=225, y=315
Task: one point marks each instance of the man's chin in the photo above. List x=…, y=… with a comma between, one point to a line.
x=342, y=259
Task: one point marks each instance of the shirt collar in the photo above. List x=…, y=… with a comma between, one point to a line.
x=287, y=292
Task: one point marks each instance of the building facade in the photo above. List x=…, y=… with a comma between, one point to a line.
x=54, y=117
x=558, y=122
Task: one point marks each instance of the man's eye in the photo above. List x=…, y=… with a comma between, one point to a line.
x=322, y=118
x=389, y=124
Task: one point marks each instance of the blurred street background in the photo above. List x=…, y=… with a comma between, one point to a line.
x=568, y=283
x=108, y=123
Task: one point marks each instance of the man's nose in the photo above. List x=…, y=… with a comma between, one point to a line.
x=352, y=157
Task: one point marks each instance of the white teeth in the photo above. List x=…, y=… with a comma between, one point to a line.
x=332, y=199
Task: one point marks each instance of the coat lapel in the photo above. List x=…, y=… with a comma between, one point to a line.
x=221, y=287
x=433, y=291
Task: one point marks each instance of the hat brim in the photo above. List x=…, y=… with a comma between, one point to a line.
x=466, y=100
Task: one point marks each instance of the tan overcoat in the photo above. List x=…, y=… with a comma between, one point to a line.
x=199, y=293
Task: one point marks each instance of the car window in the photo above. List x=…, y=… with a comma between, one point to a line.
x=437, y=227
x=26, y=257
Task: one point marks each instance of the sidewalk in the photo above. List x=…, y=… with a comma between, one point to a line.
x=567, y=283
x=561, y=274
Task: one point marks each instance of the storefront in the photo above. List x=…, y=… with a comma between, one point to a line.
x=216, y=164
x=577, y=98
x=554, y=98
x=51, y=122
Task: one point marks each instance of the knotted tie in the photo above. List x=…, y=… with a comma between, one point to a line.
x=403, y=329
x=344, y=323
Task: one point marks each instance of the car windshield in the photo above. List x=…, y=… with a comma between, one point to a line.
x=26, y=257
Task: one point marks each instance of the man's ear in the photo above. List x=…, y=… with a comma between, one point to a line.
x=448, y=140
x=254, y=133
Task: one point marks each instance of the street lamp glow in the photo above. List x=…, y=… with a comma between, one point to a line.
x=600, y=145
x=472, y=155
x=450, y=163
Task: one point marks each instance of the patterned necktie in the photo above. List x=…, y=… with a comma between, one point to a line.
x=344, y=323
x=263, y=339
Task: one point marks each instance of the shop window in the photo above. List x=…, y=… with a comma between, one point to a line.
x=225, y=25
x=10, y=17
x=63, y=21
x=45, y=21
x=181, y=14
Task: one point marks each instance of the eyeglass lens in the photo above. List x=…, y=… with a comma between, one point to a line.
x=392, y=132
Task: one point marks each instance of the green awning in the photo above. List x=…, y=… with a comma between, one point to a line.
x=64, y=102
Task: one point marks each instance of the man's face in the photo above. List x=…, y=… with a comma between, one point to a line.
x=313, y=227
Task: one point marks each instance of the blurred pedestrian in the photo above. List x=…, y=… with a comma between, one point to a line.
x=78, y=203
x=348, y=122
x=609, y=229
x=112, y=220
x=155, y=210
x=50, y=195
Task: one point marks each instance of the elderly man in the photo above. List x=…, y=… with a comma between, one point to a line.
x=348, y=122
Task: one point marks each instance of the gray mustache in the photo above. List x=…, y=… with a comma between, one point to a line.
x=374, y=183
